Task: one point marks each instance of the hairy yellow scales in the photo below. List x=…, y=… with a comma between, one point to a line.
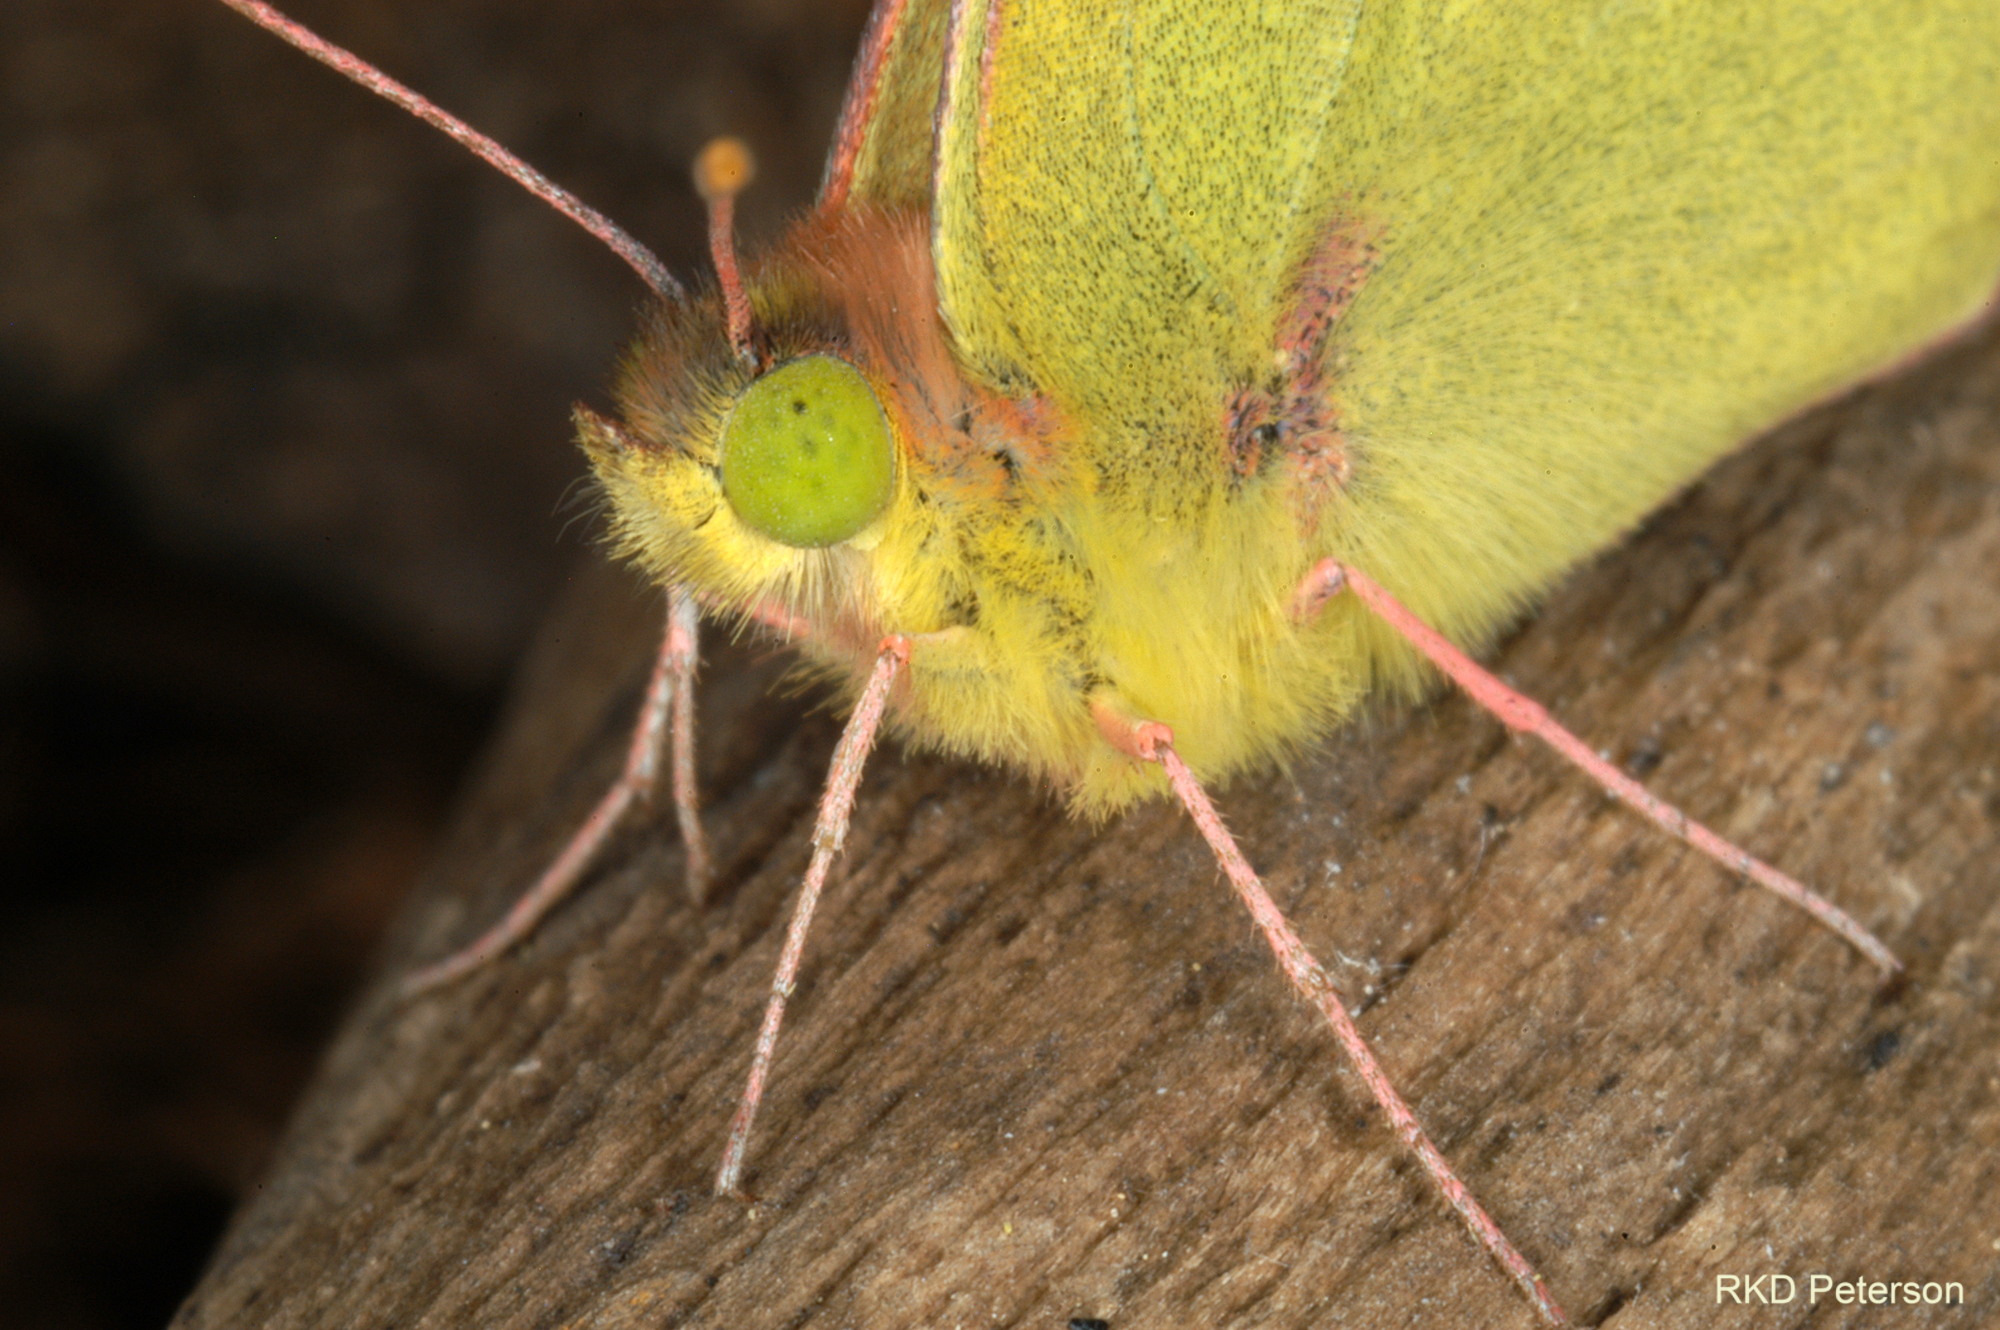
x=1606, y=244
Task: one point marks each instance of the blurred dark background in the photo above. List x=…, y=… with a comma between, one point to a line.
x=285, y=486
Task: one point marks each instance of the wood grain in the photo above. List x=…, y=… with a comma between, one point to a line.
x=1039, y=1069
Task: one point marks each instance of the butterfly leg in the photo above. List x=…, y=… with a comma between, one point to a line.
x=668, y=706
x=1521, y=713
x=1153, y=742
x=682, y=654
x=829, y=832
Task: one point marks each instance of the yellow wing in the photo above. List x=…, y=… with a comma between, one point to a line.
x=1605, y=243
x=882, y=147
x=1621, y=240
x=1125, y=192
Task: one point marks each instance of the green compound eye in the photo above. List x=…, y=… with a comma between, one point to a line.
x=806, y=454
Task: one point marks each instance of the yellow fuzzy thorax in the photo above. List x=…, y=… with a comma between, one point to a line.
x=1044, y=568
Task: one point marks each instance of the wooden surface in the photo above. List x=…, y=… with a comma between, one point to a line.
x=1039, y=1070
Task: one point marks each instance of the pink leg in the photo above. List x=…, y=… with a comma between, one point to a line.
x=1154, y=742
x=1517, y=712
x=829, y=832
x=683, y=653
x=672, y=677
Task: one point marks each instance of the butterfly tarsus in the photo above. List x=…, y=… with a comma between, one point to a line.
x=1154, y=742
x=668, y=709
x=1518, y=712
x=836, y=809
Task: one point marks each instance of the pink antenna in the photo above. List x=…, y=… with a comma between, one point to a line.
x=642, y=260
x=723, y=170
